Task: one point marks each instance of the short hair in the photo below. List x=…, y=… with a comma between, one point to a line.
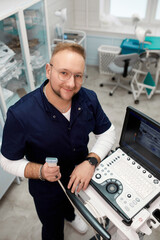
x=69, y=46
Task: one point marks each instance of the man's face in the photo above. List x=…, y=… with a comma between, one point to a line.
x=65, y=61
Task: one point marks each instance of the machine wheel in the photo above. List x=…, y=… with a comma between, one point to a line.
x=136, y=101
x=101, y=84
x=110, y=94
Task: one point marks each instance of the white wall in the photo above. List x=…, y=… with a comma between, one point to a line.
x=86, y=13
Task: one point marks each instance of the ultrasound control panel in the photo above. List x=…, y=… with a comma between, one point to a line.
x=125, y=184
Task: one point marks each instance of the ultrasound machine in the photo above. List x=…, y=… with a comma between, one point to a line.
x=122, y=200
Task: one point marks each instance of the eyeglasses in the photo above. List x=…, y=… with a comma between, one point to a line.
x=65, y=75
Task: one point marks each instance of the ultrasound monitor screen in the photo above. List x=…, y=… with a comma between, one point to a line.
x=140, y=137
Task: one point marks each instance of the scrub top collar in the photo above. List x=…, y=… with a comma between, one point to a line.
x=76, y=108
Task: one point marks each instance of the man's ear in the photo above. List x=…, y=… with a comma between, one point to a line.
x=48, y=70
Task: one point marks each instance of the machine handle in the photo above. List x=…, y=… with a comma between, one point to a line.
x=88, y=216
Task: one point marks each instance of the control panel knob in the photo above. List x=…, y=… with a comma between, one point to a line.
x=112, y=188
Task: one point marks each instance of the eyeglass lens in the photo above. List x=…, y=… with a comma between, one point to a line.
x=66, y=75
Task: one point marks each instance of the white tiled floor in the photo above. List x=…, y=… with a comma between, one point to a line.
x=18, y=219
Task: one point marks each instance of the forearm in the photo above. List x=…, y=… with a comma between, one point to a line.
x=42, y=172
x=32, y=170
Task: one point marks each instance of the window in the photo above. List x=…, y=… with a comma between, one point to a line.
x=158, y=11
x=125, y=8
x=147, y=10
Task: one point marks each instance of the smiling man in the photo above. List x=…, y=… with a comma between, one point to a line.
x=55, y=120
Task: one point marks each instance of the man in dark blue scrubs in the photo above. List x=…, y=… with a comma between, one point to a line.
x=55, y=120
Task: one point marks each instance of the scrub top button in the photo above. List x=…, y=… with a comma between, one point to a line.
x=54, y=116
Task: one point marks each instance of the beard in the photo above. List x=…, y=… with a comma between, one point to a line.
x=58, y=94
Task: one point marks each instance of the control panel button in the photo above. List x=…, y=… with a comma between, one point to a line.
x=156, y=181
x=127, y=208
x=98, y=176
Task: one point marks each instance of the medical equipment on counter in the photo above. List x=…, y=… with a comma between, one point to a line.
x=73, y=36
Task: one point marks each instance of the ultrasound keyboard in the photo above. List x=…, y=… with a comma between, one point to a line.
x=132, y=177
x=125, y=184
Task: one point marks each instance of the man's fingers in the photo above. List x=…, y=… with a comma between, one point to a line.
x=75, y=184
x=72, y=179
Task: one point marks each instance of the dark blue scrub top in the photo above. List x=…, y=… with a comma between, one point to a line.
x=36, y=129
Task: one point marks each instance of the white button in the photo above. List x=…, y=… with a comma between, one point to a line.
x=54, y=116
x=79, y=109
x=127, y=208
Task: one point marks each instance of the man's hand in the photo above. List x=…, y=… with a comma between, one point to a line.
x=51, y=174
x=81, y=176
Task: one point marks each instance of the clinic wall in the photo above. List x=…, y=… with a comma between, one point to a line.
x=86, y=13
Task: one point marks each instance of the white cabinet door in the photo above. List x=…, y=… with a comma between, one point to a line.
x=37, y=37
x=24, y=48
x=16, y=78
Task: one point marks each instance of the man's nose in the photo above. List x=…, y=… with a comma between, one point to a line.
x=71, y=81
